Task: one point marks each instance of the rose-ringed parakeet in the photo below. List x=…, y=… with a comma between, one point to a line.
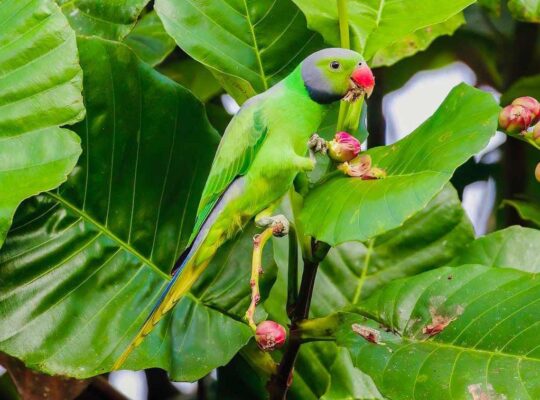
x=262, y=151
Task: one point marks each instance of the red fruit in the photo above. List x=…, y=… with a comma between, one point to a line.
x=515, y=118
x=531, y=104
x=270, y=335
x=344, y=147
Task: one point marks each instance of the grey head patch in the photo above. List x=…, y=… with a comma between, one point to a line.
x=317, y=86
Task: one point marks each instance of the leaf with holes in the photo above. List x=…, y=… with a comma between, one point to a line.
x=247, y=44
x=418, y=167
x=111, y=19
x=40, y=89
x=432, y=237
x=378, y=24
x=487, y=345
x=83, y=266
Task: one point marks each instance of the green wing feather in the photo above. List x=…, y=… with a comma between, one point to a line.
x=239, y=145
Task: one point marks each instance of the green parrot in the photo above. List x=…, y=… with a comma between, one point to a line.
x=262, y=151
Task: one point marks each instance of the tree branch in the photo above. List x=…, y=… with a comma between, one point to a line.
x=279, y=383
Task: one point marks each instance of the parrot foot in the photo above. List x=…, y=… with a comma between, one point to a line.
x=278, y=223
x=256, y=270
x=317, y=144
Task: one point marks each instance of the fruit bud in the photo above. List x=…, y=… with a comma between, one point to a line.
x=344, y=147
x=537, y=172
x=270, y=335
x=515, y=118
x=536, y=133
x=531, y=104
x=357, y=167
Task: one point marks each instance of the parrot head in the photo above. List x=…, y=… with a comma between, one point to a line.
x=334, y=74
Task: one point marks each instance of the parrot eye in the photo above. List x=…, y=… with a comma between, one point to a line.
x=335, y=65
x=360, y=64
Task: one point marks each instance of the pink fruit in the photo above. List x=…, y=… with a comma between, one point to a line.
x=344, y=147
x=531, y=104
x=515, y=118
x=270, y=335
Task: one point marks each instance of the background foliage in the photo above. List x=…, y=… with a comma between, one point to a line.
x=110, y=114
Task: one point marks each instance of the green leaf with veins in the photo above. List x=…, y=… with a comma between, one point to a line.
x=418, y=166
x=527, y=210
x=251, y=48
x=416, y=41
x=349, y=382
x=149, y=40
x=487, y=345
x=193, y=76
x=514, y=247
x=378, y=24
x=40, y=89
x=431, y=238
x=83, y=266
x=110, y=19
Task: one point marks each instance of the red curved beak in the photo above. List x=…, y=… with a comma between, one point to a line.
x=363, y=77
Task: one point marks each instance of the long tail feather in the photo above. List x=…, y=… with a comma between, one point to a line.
x=179, y=285
x=188, y=271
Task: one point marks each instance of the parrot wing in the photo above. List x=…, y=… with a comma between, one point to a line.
x=237, y=149
x=239, y=145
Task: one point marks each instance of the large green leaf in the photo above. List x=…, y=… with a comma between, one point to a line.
x=525, y=10
x=377, y=24
x=193, y=76
x=416, y=41
x=348, y=382
x=40, y=89
x=149, y=40
x=110, y=19
x=418, y=166
x=83, y=266
x=527, y=209
x=513, y=247
x=434, y=236
x=249, y=45
x=489, y=343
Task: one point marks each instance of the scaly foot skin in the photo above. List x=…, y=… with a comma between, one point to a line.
x=317, y=144
x=278, y=223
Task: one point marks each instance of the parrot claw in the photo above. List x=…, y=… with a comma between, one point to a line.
x=317, y=144
x=278, y=223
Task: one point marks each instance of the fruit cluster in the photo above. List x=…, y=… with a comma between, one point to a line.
x=345, y=149
x=522, y=117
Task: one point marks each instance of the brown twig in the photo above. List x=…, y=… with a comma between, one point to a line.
x=279, y=383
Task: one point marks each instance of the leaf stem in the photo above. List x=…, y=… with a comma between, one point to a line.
x=292, y=272
x=317, y=329
x=346, y=44
x=353, y=118
x=363, y=274
x=343, y=24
